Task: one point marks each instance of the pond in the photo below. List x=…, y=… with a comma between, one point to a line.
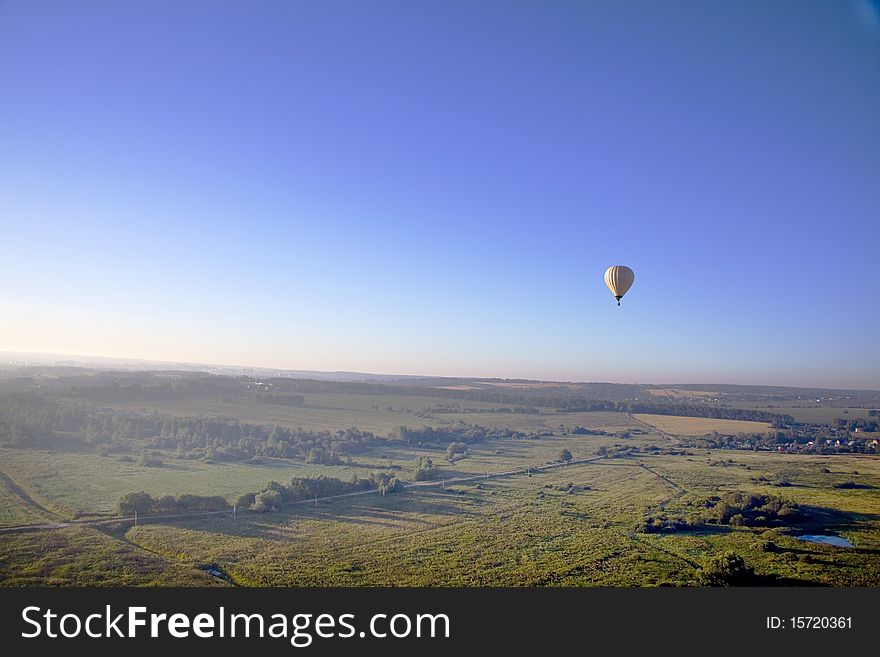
x=216, y=571
x=827, y=539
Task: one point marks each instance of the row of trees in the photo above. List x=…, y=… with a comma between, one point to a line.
x=681, y=409
x=459, y=432
x=274, y=494
x=306, y=488
x=144, y=504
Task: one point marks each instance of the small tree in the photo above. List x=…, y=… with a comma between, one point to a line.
x=726, y=570
x=268, y=500
x=456, y=448
x=246, y=501
x=424, y=468
x=149, y=460
x=565, y=455
x=139, y=502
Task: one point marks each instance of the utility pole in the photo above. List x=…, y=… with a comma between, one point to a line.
x=135, y=518
x=233, y=511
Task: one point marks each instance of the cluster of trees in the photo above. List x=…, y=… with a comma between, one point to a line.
x=230, y=439
x=269, y=498
x=859, y=423
x=460, y=432
x=429, y=411
x=144, y=504
x=727, y=569
x=35, y=420
x=456, y=450
x=306, y=488
x=149, y=459
x=584, y=431
x=731, y=508
x=386, y=483
x=424, y=469
x=617, y=451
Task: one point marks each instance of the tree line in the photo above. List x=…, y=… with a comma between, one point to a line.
x=36, y=420
x=270, y=498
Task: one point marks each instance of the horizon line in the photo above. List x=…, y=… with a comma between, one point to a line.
x=91, y=359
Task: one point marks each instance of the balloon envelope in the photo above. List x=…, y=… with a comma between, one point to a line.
x=619, y=279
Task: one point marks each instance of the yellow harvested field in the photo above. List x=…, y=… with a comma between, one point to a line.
x=699, y=426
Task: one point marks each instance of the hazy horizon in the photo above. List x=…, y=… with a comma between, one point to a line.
x=39, y=359
x=437, y=189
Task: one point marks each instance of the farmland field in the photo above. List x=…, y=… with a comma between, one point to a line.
x=377, y=413
x=69, y=482
x=568, y=526
x=618, y=520
x=814, y=413
x=698, y=426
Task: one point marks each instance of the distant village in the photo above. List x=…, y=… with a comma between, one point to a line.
x=858, y=436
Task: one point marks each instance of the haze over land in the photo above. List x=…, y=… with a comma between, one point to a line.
x=267, y=478
x=25, y=360
x=311, y=293
x=438, y=188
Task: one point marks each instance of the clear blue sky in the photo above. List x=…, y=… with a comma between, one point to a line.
x=437, y=187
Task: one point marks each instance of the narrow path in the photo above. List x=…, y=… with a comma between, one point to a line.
x=652, y=428
x=663, y=477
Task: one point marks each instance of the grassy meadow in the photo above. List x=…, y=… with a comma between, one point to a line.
x=573, y=525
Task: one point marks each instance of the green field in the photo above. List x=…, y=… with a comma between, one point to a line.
x=77, y=482
x=517, y=530
x=321, y=411
x=573, y=525
x=815, y=413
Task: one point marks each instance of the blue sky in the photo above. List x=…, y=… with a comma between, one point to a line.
x=437, y=187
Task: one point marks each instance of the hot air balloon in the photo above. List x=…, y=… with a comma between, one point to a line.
x=619, y=279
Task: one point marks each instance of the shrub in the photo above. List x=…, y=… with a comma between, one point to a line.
x=268, y=500
x=246, y=501
x=726, y=570
x=149, y=460
x=424, y=469
x=139, y=502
